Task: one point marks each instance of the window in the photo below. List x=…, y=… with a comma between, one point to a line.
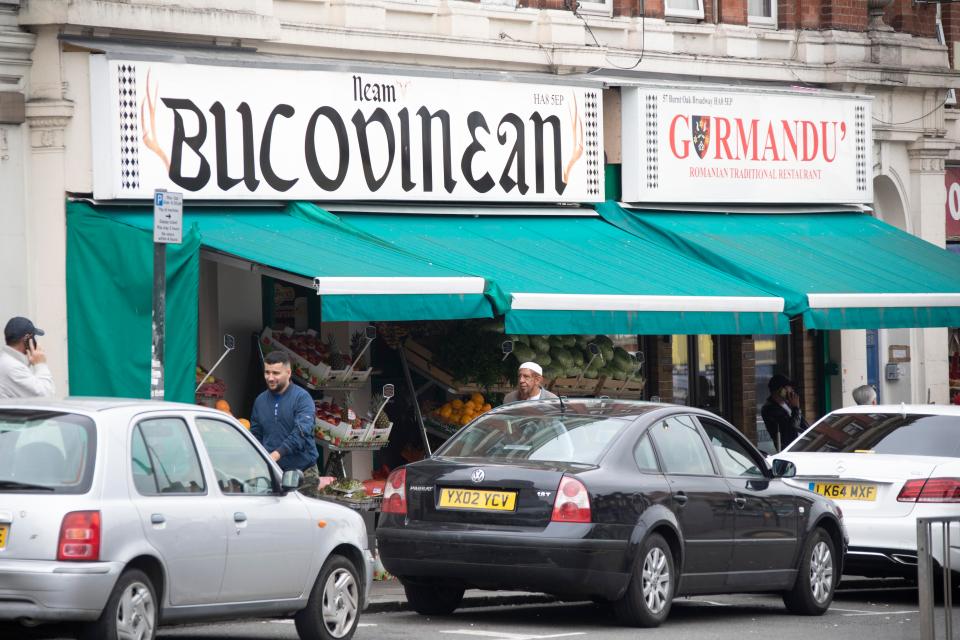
x=681, y=448
x=771, y=355
x=762, y=12
x=643, y=454
x=683, y=9
x=239, y=467
x=696, y=376
x=514, y=436
x=596, y=7
x=163, y=458
x=46, y=451
x=897, y=433
x=734, y=456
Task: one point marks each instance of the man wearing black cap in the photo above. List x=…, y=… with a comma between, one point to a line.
x=781, y=412
x=23, y=364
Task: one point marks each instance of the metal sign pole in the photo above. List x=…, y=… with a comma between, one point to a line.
x=159, y=319
x=167, y=229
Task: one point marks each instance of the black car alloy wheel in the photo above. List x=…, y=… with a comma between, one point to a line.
x=646, y=603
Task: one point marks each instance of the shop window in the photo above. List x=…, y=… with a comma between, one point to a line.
x=683, y=9
x=762, y=13
x=697, y=379
x=771, y=355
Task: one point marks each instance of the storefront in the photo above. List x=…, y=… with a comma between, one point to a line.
x=952, y=215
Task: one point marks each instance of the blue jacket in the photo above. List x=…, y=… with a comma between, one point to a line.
x=284, y=423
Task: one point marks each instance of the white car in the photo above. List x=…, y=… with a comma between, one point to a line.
x=120, y=515
x=885, y=466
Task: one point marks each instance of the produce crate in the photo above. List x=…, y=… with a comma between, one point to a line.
x=420, y=358
x=375, y=435
x=343, y=431
x=574, y=387
x=314, y=374
x=626, y=389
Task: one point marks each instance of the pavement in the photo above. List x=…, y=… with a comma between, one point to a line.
x=388, y=595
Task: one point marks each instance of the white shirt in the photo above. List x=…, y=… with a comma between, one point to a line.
x=20, y=379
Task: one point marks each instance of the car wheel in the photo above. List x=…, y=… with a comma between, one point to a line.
x=813, y=591
x=649, y=595
x=333, y=610
x=131, y=611
x=433, y=600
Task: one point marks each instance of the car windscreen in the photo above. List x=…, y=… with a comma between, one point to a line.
x=896, y=433
x=45, y=451
x=555, y=438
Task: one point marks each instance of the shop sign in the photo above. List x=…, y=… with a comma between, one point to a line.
x=227, y=133
x=738, y=146
x=952, y=178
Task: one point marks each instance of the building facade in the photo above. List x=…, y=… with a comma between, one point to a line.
x=898, y=52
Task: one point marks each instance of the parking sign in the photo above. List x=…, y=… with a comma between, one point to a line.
x=167, y=217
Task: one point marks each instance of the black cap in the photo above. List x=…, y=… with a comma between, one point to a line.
x=18, y=327
x=779, y=381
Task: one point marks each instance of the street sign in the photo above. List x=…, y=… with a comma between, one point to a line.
x=167, y=217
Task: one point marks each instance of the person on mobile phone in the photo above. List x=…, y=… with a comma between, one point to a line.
x=781, y=412
x=23, y=364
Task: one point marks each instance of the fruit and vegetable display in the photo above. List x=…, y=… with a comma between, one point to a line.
x=342, y=425
x=314, y=360
x=211, y=387
x=346, y=489
x=570, y=356
x=460, y=411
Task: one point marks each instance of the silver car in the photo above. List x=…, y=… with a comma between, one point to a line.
x=125, y=514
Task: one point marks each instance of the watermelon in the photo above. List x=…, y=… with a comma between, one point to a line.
x=523, y=353
x=561, y=356
x=578, y=357
x=551, y=372
x=543, y=359
x=540, y=344
x=569, y=341
x=622, y=359
x=573, y=371
x=591, y=374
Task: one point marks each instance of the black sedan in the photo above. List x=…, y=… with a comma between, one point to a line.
x=626, y=502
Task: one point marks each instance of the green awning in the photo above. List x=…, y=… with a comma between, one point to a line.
x=837, y=270
x=567, y=274
x=359, y=278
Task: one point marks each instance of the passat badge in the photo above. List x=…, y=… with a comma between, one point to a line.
x=477, y=476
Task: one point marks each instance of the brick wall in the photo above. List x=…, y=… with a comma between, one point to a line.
x=919, y=20
x=743, y=411
x=951, y=28
x=805, y=367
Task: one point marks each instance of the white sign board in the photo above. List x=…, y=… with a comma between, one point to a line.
x=167, y=217
x=736, y=146
x=247, y=133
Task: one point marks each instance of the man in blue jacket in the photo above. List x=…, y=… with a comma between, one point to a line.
x=283, y=419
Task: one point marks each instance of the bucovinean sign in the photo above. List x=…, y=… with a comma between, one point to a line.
x=729, y=146
x=249, y=133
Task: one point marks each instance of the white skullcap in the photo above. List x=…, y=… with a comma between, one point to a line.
x=533, y=366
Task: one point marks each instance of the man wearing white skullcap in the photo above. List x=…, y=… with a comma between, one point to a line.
x=529, y=379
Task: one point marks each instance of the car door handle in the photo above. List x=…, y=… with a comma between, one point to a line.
x=740, y=501
x=157, y=518
x=239, y=516
x=680, y=498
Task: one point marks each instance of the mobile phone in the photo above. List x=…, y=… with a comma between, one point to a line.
x=33, y=343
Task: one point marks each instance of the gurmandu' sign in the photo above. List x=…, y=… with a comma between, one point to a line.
x=739, y=147
x=242, y=133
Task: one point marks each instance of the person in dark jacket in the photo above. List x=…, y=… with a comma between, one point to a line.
x=781, y=412
x=283, y=420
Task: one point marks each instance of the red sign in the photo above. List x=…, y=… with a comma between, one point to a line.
x=952, y=177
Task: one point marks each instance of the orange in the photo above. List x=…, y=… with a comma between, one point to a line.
x=457, y=404
x=445, y=411
x=486, y=407
x=222, y=405
x=477, y=399
x=245, y=422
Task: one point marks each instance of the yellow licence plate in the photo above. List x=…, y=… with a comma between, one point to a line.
x=4, y=528
x=478, y=499
x=845, y=491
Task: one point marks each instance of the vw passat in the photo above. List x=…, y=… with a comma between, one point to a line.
x=627, y=502
x=121, y=515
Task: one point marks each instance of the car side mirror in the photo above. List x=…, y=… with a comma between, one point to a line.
x=291, y=480
x=783, y=468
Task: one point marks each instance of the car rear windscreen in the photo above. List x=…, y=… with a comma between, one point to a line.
x=46, y=452
x=556, y=438
x=913, y=435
